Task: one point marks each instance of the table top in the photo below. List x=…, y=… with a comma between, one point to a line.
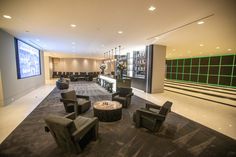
x=107, y=105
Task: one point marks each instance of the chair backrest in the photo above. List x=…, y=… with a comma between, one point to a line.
x=83, y=73
x=124, y=91
x=69, y=95
x=61, y=129
x=165, y=108
x=123, y=83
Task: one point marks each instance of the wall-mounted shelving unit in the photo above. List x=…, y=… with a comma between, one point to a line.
x=139, y=64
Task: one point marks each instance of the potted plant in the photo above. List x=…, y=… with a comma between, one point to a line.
x=121, y=67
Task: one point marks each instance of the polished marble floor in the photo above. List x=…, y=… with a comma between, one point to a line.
x=215, y=116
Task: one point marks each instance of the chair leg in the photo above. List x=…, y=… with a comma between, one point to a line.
x=95, y=132
x=137, y=119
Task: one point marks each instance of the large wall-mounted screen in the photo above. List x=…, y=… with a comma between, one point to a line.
x=27, y=60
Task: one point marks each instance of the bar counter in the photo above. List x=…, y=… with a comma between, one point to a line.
x=108, y=79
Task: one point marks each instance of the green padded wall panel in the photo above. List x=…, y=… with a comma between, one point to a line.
x=213, y=70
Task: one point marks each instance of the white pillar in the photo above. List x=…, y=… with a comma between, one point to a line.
x=156, y=55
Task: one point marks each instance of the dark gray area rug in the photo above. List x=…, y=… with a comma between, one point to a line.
x=178, y=137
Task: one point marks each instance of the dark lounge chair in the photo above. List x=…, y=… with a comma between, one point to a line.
x=72, y=101
x=72, y=134
x=123, y=95
x=62, y=84
x=152, y=116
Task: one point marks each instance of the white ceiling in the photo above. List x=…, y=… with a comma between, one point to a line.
x=98, y=22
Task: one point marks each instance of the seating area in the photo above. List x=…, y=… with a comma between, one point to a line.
x=73, y=131
x=76, y=76
x=104, y=123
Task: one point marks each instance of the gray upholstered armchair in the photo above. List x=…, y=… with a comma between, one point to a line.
x=152, y=116
x=70, y=134
x=73, y=102
x=123, y=95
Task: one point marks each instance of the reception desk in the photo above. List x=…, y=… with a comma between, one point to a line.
x=108, y=79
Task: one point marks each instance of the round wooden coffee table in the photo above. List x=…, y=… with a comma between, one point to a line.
x=107, y=111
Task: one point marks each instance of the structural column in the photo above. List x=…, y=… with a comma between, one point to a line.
x=155, y=73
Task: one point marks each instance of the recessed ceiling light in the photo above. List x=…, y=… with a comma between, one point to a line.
x=37, y=40
x=217, y=47
x=201, y=45
x=73, y=43
x=120, y=32
x=152, y=8
x=7, y=17
x=73, y=25
x=200, y=22
x=229, y=49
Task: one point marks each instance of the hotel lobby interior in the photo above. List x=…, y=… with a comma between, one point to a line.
x=118, y=78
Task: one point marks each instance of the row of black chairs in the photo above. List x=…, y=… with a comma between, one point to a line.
x=59, y=74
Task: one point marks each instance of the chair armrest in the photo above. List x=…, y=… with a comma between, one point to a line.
x=71, y=116
x=68, y=101
x=83, y=96
x=154, y=115
x=152, y=106
x=130, y=94
x=147, y=112
x=79, y=133
x=115, y=94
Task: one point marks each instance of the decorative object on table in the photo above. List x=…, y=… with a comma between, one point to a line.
x=75, y=103
x=120, y=67
x=62, y=83
x=123, y=95
x=72, y=133
x=152, y=116
x=107, y=111
x=103, y=67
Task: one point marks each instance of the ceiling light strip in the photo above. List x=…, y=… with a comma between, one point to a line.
x=174, y=29
x=38, y=46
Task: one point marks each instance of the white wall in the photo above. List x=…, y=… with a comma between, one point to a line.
x=77, y=65
x=158, y=68
x=12, y=87
x=47, y=69
x=1, y=91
